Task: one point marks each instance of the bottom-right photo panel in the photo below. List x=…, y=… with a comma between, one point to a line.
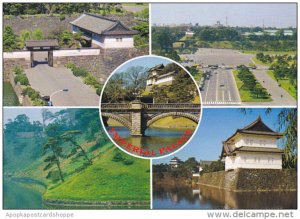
x=239, y=159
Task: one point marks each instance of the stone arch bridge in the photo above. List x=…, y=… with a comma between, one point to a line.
x=138, y=116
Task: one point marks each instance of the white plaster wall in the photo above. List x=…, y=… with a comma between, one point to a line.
x=189, y=33
x=254, y=161
x=76, y=52
x=256, y=141
x=17, y=55
x=111, y=42
x=229, y=163
x=163, y=80
x=149, y=82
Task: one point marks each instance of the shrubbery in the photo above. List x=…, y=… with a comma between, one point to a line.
x=20, y=76
x=98, y=91
x=80, y=72
x=120, y=158
x=91, y=80
x=77, y=71
x=88, y=78
x=250, y=83
x=34, y=96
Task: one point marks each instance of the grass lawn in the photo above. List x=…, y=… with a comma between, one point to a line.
x=246, y=95
x=173, y=122
x=107, y=180
x=269, y=52
x=258, y=62
x=285, y=84
x=198, y=76
x=221, y=45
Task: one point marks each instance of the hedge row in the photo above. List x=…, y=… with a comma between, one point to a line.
x=87, y=77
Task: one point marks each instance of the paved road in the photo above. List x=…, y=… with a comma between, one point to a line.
x=219, y=56
x=214, y=94
x=47, y=80
x=279, y=95
x=220, y=89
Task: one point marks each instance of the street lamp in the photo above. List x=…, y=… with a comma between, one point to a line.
x=54, y=93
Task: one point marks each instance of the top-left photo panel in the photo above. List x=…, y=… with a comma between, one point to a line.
x=60, y=54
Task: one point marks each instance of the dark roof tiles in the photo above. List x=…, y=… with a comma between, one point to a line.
x=102, y=25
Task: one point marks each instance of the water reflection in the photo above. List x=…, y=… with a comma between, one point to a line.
x=155, y=137
x=18, y=195
x=203, y=197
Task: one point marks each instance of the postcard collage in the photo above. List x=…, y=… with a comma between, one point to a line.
x=149, y=105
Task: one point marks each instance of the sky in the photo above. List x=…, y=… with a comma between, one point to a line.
x=216, y=125
x=272, y=15
x=147, y=62
x=34, y=114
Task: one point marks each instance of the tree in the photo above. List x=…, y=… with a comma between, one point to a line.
x=214, y=167
x=24, y=36
x=287, y=119
x=46, y=115
x=53, y=152
x=10, y=40
x=69, y=136
x=66, y=38
x=183, y=88
x=114, y=91
x=135, y=81
x=37, y=34
x=191, y=164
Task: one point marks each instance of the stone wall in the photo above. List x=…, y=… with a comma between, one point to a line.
x=9, y=64
x=92, y=63
x=101, y=66
x=51, y=25
x=252, y=180
x=23, y=100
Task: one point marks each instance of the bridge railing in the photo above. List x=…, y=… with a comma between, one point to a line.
x=151, y=106
x=171, y=106
x=116, y=106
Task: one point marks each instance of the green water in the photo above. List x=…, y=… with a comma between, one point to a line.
x=9, y=96
x=17, y=195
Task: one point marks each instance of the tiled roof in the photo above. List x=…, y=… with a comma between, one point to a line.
x=102, y=25
x=41, y=43
x=258, y=128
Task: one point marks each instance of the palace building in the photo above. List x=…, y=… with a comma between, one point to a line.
x=189, y=33
x=156, y=77
x=252, y=147
x=104, y=32
x=175, y=162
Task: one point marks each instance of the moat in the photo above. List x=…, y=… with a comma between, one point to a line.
x=203, y=197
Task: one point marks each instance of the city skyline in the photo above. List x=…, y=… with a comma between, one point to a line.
x=231, y=14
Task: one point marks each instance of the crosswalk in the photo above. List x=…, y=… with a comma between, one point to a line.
x=221, y=103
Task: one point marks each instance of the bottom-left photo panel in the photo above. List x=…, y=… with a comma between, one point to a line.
x=61, y=158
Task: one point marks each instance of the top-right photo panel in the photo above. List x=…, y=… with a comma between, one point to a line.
x=239, y=54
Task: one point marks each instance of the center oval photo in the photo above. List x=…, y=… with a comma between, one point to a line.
x=150, y=107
